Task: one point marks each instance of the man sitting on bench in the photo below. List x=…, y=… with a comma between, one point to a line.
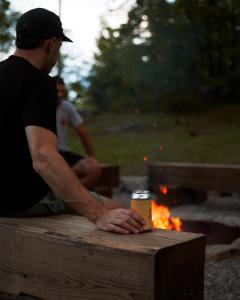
x=86, y=168
x=33, y=173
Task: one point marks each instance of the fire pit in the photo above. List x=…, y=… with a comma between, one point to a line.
x=217, y=217
x=216, y=233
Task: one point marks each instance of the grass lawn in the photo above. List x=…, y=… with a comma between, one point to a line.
x=212, y=136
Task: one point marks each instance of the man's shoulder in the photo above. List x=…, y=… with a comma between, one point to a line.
x=28, y=73
x=20, y=64
x=67, y=108
x=67, y=105
x=20, y=75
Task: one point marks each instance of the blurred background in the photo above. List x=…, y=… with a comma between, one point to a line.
x=154, y=80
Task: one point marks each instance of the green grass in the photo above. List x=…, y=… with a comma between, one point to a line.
x=212, y=136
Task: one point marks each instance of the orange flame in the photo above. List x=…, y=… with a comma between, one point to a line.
x=161, y=218
x=145, y=158
x=163, y=189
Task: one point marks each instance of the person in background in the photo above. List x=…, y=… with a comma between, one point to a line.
x=86, y=168
x=35, y=179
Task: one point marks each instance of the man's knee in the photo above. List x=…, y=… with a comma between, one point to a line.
x=96, y=169
x=87, y=167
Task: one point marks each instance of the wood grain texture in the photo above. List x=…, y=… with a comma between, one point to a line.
x=66, y=257
x=108, y=180
x=109, y=176
x=217, y=177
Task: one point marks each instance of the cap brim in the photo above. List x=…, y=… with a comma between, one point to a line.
x=66, y=39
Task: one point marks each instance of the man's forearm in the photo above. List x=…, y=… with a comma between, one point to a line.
x=88, y=145
x=64, y=183
x=85, y=139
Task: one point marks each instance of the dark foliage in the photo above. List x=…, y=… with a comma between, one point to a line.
x=8, y=19
x=179, y=56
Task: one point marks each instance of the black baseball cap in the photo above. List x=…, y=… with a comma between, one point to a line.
x=40, y=23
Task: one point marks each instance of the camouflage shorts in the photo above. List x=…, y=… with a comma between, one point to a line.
x=51, y=205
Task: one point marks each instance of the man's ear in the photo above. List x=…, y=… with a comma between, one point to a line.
x=49, y=44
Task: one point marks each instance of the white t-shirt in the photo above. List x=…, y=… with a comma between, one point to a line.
x=67, y=115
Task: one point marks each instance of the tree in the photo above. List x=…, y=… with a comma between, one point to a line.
x=8, y=18
x=179, y=55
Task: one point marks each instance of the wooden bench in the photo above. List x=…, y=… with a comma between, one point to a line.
x=66, y=258
x=195, y=179
x=197, y=176
x=108, y=180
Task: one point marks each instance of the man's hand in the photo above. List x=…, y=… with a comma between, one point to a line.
x=121, y=220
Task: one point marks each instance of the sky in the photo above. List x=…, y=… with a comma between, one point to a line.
x=81, y=21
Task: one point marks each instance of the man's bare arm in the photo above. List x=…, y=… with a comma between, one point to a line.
x=85, y=139
x=52, y=167
x=64, y=183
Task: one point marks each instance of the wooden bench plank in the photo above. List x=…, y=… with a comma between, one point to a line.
x=66, y=257
x=219, y=177
x=108, y=180
x=109, y=176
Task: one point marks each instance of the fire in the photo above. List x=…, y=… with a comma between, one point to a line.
x=161, y=218
x=145, y=158
x=163, y=189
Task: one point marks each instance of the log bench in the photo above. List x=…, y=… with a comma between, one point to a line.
x=192, y=180
x=108, y=180
x=66, y=258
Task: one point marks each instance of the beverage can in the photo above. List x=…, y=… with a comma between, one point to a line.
x=141, y=201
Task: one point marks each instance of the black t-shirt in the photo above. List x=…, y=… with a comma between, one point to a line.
x=28, y=96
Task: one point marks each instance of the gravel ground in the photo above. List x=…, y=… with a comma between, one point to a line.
x=222, y=279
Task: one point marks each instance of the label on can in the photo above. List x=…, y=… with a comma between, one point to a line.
x=142, y=202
